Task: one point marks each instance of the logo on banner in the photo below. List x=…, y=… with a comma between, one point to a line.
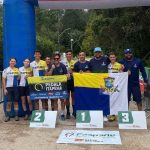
x=109, y=83
x=48, y=87
x=109, y=87
x=38, y=87
x=89, y=137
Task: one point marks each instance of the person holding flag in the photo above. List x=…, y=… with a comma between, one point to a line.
x=58, y=69
x=133, y=66
x=114, y=67
x=99, y=64
x=70, y=83
x=82, y=65
x=39, y=68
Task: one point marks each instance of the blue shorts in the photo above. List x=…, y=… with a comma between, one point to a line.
x=135, y=92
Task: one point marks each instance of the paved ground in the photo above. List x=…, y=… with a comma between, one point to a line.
x=18, y=136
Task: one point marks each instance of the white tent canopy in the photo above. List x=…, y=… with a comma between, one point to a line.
x=91, y=4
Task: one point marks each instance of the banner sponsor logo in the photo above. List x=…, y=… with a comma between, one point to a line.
x=48, y=87
x=89, y=137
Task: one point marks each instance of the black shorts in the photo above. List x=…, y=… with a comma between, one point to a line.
x=24, y=91
x=135, y=92
x=13, y=94
x=70, y=85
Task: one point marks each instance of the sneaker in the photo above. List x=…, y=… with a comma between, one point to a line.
x=7, y=118
x=62, y=117
x=74, y=114
x=105, y=119
x=16, y=118
x=112, y=118
x=26, y=117
x=29, y=117
x=68, y=116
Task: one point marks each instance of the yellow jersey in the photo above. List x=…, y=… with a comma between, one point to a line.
x=70, y=65
x=115, y=68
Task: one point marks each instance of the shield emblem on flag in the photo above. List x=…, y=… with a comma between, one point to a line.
x=109, y=82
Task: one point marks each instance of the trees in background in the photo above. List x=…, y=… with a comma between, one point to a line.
x=117, y=29
x=111, y=29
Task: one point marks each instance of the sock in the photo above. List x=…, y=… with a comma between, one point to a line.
x=7, y=113
x=26, y=112
x=68, y=110
x=62, y=112
x=30, y=112
x=73, y=108
x=16, y=112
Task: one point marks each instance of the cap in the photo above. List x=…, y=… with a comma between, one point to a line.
x=128, y=50
x=97, y=49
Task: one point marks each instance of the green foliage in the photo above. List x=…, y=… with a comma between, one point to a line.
x=55, y=29
x=111, y=29
x=117, y=29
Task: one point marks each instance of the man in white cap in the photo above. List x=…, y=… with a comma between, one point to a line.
x=99, y=64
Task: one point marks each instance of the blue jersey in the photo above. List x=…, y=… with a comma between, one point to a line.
x=81, y=66
x=99, y=65
x=61, y=70
x=134, y=66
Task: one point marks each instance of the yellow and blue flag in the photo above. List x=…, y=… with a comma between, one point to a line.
x=101, y=91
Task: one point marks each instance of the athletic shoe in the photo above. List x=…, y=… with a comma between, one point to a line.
x=62, y=117
x=26, y=117
x=16, y=118
x=7, y=118
x=29, y=117
x=68, y=116
x=105, y=119
x=112, y=118
x=74, y=114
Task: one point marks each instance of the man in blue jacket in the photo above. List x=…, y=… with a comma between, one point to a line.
x=133, y=66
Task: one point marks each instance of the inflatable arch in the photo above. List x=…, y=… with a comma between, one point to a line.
x=19, y=22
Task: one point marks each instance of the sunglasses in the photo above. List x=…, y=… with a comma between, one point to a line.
x=56, y=58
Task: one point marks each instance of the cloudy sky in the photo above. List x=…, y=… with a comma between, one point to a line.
x=1, y=1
